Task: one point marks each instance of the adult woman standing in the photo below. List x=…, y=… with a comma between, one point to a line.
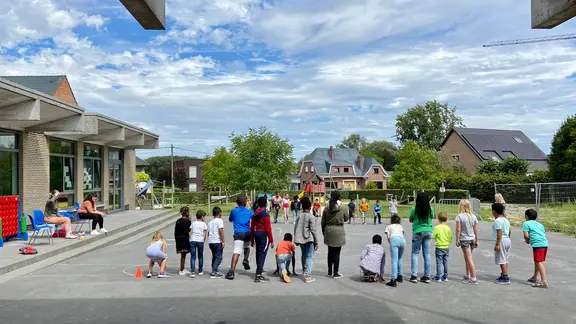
x=51, y=215
x=333, y=219
x=88, y=211
x=421, y=218
x=467, y=239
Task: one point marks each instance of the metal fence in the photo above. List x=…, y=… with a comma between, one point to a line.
x=452, y=208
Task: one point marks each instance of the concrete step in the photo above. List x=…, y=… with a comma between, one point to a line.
x=78, y=247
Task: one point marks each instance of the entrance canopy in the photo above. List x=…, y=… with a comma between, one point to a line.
x=24, y=109
x=547, y=14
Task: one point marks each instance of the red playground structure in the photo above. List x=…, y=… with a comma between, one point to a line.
x=12, y=221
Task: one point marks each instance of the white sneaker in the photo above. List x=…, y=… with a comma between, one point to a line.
x=200, y=273
x=71, y=236
x=94, y=233
x=103, y=231
x=183, y=273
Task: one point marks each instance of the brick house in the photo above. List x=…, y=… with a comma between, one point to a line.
x=342, y=169
x=194, y=172
x=471, y=146
x=49, y=142
x=141, y=165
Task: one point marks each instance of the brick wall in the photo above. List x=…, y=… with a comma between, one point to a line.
x=129, y=184
x=64, y=92
x=35, y=171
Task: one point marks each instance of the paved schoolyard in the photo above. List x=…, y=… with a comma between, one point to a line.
x=97, y=287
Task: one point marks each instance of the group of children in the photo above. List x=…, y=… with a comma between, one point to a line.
x=191, y=236
x=364, y=207
x=373, y=257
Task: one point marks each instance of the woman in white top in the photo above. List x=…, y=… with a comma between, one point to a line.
x=395, y=234
x=467, y=238
x=286, y=206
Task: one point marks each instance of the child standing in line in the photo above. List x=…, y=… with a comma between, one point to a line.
x=316, y=208
x=156, y=252
x=377, y=209
x=295, y=207
x=286, y=253
x=372, y=260
x=197, y=239
x=393, y=207
x=467, y=239
x=501, y=235
x=535, y=235
x=442, y=234
x=182, y=238
x=216, y=242
x=395, y=234
x=364, y=207
x=352, y=209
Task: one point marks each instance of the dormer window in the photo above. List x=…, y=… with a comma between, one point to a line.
x=518, y=140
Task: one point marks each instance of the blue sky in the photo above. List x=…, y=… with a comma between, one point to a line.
x=312, y=71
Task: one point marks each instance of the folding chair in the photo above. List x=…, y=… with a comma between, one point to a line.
x=80, y=222
x=39, y=226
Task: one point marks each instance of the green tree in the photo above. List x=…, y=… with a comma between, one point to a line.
x=490, y=166
x=159, y=167
x=514, y=165
x=264, y=160
x=562, y=159
x=180, y=179
x=218, y=170
x=416, y=169
x=383, y=151
x=354, y=141
x=427, y=125
x=142, y=176
x=371, y=186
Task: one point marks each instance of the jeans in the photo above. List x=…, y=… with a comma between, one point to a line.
x=216, y=249
x=196, y=248
x=421, y=241
x=307, y=258
x=283, y=262
x=397, y=245
x=377, y=215
x=442, y=260
x=261, y=242
x=334, y=260
x=295, y=215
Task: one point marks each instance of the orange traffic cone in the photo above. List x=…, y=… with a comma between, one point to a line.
x=138, y=273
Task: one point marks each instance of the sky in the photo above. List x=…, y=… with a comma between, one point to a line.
x=313, y=71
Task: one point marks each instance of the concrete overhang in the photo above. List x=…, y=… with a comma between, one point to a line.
x=151, y=14
x=115, y=133
x=547, y=14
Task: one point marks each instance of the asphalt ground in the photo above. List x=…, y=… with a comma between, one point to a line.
x=99, y=287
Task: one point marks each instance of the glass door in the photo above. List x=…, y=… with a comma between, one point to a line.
x=115, y=187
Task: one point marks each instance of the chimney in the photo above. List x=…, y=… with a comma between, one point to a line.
x=331, y=153
x=360, y=162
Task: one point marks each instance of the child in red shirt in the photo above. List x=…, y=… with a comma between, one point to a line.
x=285, y=253
x=261, y=236
x=316, y=208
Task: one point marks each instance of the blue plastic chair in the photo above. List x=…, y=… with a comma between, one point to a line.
x=39, y=226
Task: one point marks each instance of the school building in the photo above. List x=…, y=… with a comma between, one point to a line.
x=49, y=142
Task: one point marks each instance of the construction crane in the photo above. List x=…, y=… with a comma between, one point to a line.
x=532, y=40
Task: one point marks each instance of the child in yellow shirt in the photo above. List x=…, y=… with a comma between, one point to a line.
x=442, y=234
x=364, y=207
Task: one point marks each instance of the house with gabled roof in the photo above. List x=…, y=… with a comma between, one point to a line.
x=342, y=169
x=472, y=146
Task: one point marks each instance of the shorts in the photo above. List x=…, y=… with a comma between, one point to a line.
x=241, y=242
x=467, y=244
x=502, y=256
x=157, y=256
x=540, y=254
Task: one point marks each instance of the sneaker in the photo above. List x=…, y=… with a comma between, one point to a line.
x=71, y=236
x=413, y=279
x=309, y=280
x=103, y=231
x=230, y=275
x=425, y=279
x=182, y=273
x=149, y=275
x=392, y=283
x=438, y=279
x=94, y=233
x=289, y=273
x=498, y=279
x=163, y=275
x=465, y=279
x=473, y=281
x=504, y=280
x=192, y=275
x=275, y=273
x=201, y=273
x=337, y=276
x=261, y=279
x=216, y=276
x=246, y=265
x=444, y=278
x=400, y=279
x=540, y=284
x=532, y=280
x=285, y=276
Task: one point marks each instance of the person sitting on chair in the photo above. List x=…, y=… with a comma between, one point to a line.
x=88, y=211
x=52, y=216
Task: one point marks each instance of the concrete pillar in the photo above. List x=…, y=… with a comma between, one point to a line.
x=129, y=185
x=105, y=179
x=79, y=172
x=35, y=158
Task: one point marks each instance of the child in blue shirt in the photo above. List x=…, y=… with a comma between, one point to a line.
x=535, y=235
x=377, y=209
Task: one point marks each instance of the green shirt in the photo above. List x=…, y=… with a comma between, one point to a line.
x=537, y=233
x=417, y=226
x=442, y=234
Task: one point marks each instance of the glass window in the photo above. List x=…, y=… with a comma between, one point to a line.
x=56, y=173
x=114, y=154
x=62, y=176
x=92, y=169
x=92, y=151
x=305, y=169
x=376, y=170
x=192, y=172
x=346, y=170
x=8, y=173
x=312, y=169
x=8, y=141
x=61, y=147
x=192, y=187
